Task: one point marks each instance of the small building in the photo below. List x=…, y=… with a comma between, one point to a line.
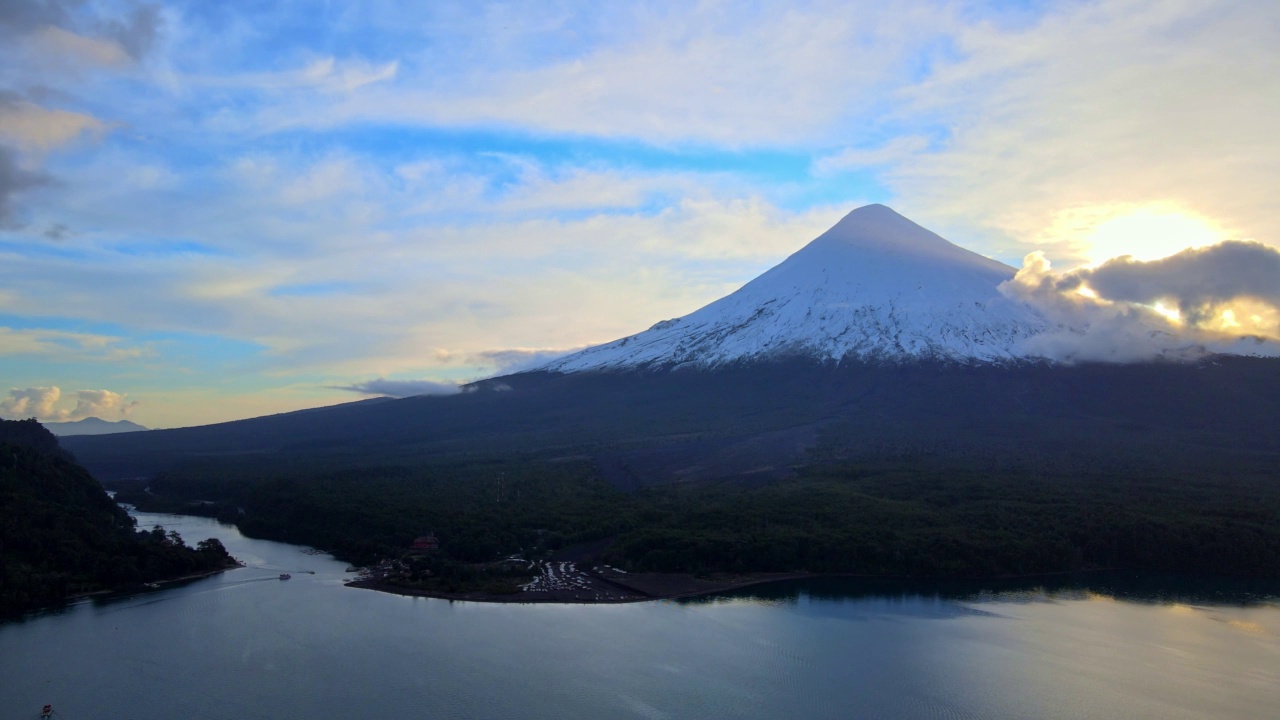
x=426, y=542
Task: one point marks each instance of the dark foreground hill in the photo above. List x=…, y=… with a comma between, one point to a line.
x=919, y=469
x=61, y=535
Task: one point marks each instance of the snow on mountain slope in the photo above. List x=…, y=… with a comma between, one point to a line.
x=875, y=287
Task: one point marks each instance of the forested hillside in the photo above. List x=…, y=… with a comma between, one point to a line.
x=886, y=513
x=925, y=469
x=61, y=535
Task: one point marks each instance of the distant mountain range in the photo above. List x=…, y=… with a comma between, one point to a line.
x=92, y=426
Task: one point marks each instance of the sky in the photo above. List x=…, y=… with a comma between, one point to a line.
x=211, y=211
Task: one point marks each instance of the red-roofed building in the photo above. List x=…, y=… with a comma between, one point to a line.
x=427, y=542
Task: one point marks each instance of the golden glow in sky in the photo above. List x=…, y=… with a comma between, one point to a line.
x=1246, y=316
x=1169, y=313
x=1150, y=234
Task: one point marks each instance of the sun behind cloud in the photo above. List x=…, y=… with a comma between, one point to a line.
x=1150, y=233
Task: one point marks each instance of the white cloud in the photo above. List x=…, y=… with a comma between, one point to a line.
x=325, y=74
x=503, y=183
x=775, y=73
x=61, y=345
x=895, y=150
x=42, y=404
x=35, y=402
x=383, y=290
x=102, y=404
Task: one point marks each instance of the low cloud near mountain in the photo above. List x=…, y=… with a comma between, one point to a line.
x=1222, y=298
x=402, y=388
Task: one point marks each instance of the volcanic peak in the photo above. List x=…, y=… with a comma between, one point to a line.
x=875, y=287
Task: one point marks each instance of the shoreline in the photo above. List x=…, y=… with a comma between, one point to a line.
x=645, y=587
x=681, y=586
x=144, y=586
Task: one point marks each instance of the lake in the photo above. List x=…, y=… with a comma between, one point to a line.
x=245, y=644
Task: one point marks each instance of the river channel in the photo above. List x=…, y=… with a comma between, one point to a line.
x=246, y=644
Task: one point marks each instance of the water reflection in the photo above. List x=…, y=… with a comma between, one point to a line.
x=245, y=644
x=1130, y=587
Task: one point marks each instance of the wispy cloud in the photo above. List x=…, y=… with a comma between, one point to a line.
x=61, y=345
x=710, y=72
x=27, y=125
x=896, y=150
x=402, y=388
x=320, y=193
x=326, y=74
x=514, y=360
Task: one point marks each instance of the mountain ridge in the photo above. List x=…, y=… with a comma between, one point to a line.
x=92, y=426
x=875, y=287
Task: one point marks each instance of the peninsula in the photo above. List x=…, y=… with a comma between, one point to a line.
x=62, y=537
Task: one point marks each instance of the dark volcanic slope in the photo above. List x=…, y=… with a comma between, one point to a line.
x=758, y=420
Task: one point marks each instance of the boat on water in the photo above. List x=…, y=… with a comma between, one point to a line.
x=285, y=576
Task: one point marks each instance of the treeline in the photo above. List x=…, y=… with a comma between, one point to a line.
x=61, y=535
x=479, y=510
x=959, y=522
x=914, y=514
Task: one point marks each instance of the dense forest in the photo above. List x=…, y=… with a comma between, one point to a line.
x=890, y=514
x=61, y=535
x=928, y=469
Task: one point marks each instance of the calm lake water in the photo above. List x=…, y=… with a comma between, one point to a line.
x=245, y=644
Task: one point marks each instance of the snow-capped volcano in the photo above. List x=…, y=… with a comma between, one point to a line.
x=875, y=287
